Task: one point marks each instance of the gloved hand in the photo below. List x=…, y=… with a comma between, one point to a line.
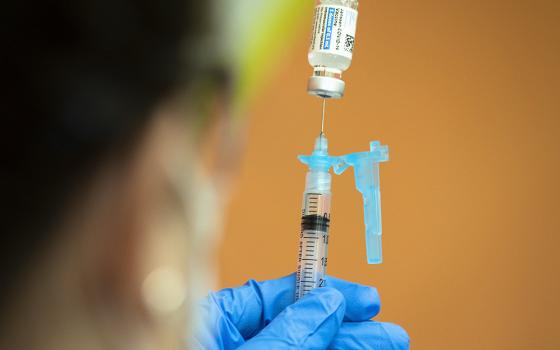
x=262, y=315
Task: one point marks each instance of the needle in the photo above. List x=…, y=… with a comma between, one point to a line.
x=323, y=117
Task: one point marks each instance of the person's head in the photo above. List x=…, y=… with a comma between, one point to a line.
x=102, y=185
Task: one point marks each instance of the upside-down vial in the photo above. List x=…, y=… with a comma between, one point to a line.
x=332, y=44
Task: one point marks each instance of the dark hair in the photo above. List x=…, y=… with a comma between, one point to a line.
x=80, y=80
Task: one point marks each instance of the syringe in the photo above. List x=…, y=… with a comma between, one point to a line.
x=315, y=219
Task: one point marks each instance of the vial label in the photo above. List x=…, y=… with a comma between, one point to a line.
x=334, y=29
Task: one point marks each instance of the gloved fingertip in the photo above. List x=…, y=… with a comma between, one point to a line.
x=369, y=299
x=363, y=301
x=399, y=337
x=330, y=298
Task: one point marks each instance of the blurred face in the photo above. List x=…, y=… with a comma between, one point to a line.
x=132, y=253
x=178, y=196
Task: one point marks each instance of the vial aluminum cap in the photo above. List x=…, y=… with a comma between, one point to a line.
x=325, y=87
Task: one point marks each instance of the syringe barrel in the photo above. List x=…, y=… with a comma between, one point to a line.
x=314, y=234
x=318, y=182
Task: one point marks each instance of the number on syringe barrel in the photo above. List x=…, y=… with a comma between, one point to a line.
x=313, y=243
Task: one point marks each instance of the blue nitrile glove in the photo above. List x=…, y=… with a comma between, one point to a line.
x=261, y=315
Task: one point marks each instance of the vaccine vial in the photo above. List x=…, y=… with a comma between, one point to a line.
x=332, y=43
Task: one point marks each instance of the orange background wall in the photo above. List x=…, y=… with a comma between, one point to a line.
x=467, y=96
